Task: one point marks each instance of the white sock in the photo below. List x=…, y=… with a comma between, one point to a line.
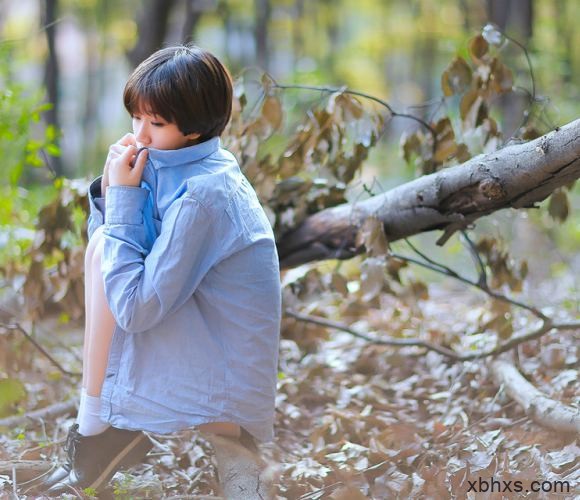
x=89, y=418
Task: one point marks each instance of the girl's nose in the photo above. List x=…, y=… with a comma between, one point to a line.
x=141, y=134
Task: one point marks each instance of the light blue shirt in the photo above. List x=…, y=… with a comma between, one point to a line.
x=192, y=278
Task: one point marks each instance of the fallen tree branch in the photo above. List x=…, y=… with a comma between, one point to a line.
x=517, y=176
x=499, y=349
x=24, y=469
x=539, y=407
x=48, y=412
x=243, y=474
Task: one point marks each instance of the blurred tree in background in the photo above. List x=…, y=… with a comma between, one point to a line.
x=395, y=50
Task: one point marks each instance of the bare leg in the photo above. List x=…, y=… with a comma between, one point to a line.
x=88, y=298
x=102, y=326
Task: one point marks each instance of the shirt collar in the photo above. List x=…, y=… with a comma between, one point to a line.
x=175, y=157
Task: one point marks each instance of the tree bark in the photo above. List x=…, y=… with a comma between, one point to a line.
x=152, y=27
x=193, y=14
x=515, y=17
x=263, y=12
x=539, y=407
x=512, y=14
x=243, y=474
x=517, y=176
x=51, y=74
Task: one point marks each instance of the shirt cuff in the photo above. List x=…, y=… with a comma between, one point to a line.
x=96, y=199
x=124, y=204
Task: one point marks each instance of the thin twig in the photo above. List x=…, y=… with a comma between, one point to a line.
x=48, y=164
x=506, y=346
x=17, y=327
x=530, y=67
x=531, y=95
x=444, y=269
x=40, y=30
x=357, y=93
x=447, y=271
x=381, y=341
x=478, y=261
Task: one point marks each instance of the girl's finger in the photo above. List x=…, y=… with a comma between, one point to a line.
x=127, y=140
x=117, y=149
x=127, y=155
x=140, y=163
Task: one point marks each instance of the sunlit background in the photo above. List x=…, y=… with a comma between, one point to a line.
x=393, y=49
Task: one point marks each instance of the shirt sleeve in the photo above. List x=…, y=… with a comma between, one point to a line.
x=144, y=285
x=96, y=207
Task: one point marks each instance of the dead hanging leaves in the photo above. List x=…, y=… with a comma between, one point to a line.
x=504, y=271
x=311, y=170
x=456, y=79
x=478, y=84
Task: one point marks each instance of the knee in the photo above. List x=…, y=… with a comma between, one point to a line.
x=93, y=244
x=97, y=254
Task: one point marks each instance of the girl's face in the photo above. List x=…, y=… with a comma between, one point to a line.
x=152, y=131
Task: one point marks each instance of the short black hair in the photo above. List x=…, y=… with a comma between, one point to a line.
x=185, y=85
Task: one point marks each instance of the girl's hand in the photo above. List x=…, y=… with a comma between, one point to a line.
x=121, y=169
x=115, y=150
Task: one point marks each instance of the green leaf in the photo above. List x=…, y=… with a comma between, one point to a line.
x=12, y=391
x=52, y=150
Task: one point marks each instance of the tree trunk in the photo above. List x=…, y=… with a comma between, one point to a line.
x=298, y=31
x=512, y=14
x=516, y=176
x=152, y=27
x=51, y=74
x=514, y=17
x=566, y=34
x=263, y=12
x=192, y=16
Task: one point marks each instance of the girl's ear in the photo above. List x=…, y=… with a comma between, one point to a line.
x=193, y=136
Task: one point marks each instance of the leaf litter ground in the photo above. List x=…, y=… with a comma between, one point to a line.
x=353, y=420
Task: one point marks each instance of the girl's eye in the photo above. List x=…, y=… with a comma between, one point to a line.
x=157, y=124
x=134, y=117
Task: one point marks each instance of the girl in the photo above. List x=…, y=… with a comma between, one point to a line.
x=182, y=295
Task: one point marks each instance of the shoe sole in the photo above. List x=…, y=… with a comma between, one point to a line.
x=129, y=456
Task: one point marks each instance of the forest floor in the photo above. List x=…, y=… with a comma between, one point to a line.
x=353, y=420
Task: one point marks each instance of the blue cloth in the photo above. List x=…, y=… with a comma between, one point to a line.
x=192, y=277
